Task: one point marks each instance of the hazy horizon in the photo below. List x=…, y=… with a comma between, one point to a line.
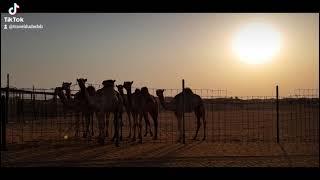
x=159, y=50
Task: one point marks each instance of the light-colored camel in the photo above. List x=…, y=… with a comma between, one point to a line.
x=192, y=102
x=105, y=101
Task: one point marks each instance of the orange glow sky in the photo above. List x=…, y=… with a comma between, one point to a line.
x=158, y=50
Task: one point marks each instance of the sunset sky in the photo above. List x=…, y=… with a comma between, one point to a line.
x=159, y=50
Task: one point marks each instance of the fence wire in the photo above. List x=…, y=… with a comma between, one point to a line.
x=35, y=115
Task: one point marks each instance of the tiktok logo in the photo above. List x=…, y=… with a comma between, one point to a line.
x=13, y=10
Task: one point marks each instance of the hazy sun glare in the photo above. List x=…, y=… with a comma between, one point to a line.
x=208, y=50
x=256, y=43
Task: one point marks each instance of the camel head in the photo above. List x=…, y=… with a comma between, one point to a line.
x=159, y=92
x=137, y=91
x=120, y=88
x=66, y=85
x=127, y=85
x=108, y=83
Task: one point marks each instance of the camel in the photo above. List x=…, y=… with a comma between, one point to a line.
x=126, y=105
x=141, y=103
x=104, y=101
x=66, y=87
x=106, y=84
x=86, y=110
x=193, y=102
x=149, y=105
x=70, y=105
x=135, y=108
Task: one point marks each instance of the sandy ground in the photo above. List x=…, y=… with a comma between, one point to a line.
x=149, y=154
x=235, y=138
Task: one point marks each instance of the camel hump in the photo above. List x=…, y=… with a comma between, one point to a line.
x=108, y=83
x=188, y=90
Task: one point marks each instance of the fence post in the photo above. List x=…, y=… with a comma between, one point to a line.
x=7, y=100
x=3, y=123
x=4, y=117
x=277, y=105
x=183, y=109
x=33, y=103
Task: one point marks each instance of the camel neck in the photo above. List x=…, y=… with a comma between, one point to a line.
x=85, y=94
x=163, y=103
x=129, y=96
x=121, y=93
x=68, y=93
x=62, y=98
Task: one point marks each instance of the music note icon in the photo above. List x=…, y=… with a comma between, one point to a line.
x=13, y=10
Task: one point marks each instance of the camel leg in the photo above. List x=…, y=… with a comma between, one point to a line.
x=77, y=124
x=140, y=126
x=151, y=134
x=107, y=124
x=83, y=119
x=84, y=124
x=155, y=123
x=204, y=124
x=91, y=116
x=129, y=118
x=198, y=127
x=204, y=129
x=101, y=124
x=87, y=132
x=154, y=114
x=147, y=122
x=121, y=124
x=179, y=120
x=134, y=126
x=116, y=128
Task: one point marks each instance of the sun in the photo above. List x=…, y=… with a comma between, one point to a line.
x=256, y=43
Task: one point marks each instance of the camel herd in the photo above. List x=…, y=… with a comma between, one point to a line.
x=137, y=105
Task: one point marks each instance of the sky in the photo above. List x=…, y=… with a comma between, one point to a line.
x=159, y=50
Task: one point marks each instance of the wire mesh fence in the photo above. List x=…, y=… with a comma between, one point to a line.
x=37, y=115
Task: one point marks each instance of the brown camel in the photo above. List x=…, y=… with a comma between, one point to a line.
x=70, y=105
x=141, y=103
x=135, y=106
x=193, y=102
x=126, y=105
x=149, y=105
x=107, y=84
x=86, y=110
